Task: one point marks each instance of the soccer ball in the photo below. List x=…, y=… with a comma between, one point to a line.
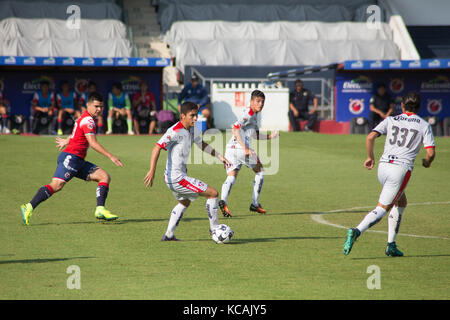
x=222, y=234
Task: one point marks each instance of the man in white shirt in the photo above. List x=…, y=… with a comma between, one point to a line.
x=177, y=141
x=239, y=152
x=404, y=135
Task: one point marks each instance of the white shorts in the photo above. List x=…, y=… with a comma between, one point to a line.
x=187, y=188
x=237, y=158
x=393, y=178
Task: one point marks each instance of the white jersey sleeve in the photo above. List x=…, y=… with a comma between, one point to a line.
x=169, y=138
x=248, y=125
x=428, y=138
x=381, y=128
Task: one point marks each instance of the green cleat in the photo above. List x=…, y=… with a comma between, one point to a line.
x=60, y=132
x=27, y=211
x=352, y=235
x=392, y=250
x=102, y=213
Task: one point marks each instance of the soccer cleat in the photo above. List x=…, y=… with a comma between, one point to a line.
x=130, y=133
x=166, y=238
x=102, y=213
x=60, y=132
x=109, y=132
x=392, y=250
x=27, y=211
x=352, y=235
x=258, y=208
x=224, y=209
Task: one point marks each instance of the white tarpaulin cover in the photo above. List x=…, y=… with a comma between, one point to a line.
x=11, y=28
x=311, y=30
x=265, y=12
x=280, y=52
x=58, y=10
x=65, y=48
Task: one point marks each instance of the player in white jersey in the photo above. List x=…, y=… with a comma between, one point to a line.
x=404, y=135
x=239, y=152
x=177, y=141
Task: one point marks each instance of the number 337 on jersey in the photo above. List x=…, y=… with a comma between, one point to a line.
x=404, y=135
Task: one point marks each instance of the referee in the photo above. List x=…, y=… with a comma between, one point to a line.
x=299, y=101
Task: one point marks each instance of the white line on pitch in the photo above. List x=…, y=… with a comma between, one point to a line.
x=320, y=219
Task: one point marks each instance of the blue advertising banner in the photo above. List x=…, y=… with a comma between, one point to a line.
x=18, y=87
x=80, y=62
x=355, y=88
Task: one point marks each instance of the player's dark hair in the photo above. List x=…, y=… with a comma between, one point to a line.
x=95, y=96
x=258, y=93
x=45, y=82
x=92, y=83
x=298, y=81
x=186, y=107
x=64, y=82
x=117, y=85
x=412, y=101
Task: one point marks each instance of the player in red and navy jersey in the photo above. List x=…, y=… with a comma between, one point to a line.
x=405, y=134
x=71, y=162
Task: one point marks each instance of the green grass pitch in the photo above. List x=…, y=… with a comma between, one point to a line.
x=284, y=254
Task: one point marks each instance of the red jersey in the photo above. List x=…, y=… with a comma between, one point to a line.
x=78, y=144
x=149, y=98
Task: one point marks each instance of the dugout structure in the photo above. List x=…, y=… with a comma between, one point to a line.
x=21, y=76
x=356, y=82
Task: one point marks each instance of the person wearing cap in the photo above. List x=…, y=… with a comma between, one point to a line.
x=299, y=101
x=196, y=93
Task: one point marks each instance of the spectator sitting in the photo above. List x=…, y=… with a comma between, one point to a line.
x=144, y=107
x=3, y=115
x=196, y=93
x=42, y=105
x=299, y=100
x=119, y=105
x=67, y=101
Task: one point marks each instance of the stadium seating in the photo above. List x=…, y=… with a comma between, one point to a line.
x=39, y=29
x=279, y=52
x=288, y=32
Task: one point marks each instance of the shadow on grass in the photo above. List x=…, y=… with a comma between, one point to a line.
x=406, y=256
x=243, y=241
x=42, y=260
x=315, y=212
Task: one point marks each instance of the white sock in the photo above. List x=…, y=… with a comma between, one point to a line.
x=226, y=187
x=371, y=219
x=394, y=220
x=175, y=217
x=257, y=186
x=212, y=209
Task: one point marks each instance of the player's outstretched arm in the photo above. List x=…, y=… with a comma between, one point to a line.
x=148, y=179
x=273, y=135
x=370, y=142
x=94, y=144
x=62, y=143
x=237, y=135
x=211, y=151
x=429, y=157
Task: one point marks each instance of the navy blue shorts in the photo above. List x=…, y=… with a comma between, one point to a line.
x=70, y=165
